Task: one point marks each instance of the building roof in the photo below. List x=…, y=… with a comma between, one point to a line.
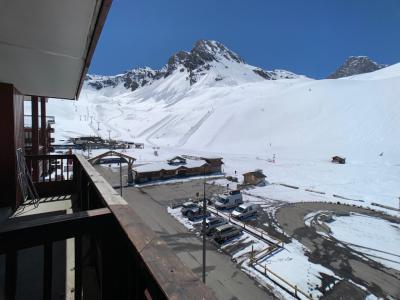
x=158, y=166
x=256, y=173
x=179, y=158
x=46, y=45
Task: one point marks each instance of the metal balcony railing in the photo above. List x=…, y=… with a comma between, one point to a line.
x=50, y=120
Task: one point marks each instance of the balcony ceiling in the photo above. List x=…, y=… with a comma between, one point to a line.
x=46, y=45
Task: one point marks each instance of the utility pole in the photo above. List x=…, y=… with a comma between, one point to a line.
x=204, y=226
x=120, y=175
x=98, y=125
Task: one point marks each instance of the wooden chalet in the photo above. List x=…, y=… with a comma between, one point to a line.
x=67, y=234
x=256, y=177
x=176, y=167
x=215, y=164
x=338, y=160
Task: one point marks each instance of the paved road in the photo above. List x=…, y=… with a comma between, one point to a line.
x=223, y=277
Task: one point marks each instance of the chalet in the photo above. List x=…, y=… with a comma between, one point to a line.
x=67, y=235
x=338, y=160
x=179, y=166
x=215, y=162
x=254, y=178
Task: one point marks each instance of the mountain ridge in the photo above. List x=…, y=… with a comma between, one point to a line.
x=196, y=63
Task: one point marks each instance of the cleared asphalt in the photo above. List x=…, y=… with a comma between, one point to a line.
x=223, y=276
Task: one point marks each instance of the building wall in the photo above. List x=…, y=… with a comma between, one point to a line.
x=251, y=179
x=167, y=174
x=12, y=138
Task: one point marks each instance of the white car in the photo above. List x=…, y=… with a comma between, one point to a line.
x=245, y=210
x=229, y=200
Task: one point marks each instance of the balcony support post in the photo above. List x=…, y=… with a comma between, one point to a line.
x=43, y=125
x=78, y=267
x=35, y=138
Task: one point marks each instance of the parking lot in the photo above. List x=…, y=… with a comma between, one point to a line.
x=223, y=276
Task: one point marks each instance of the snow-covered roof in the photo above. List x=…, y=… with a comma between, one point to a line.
x=157, y=166
x=256, y=173
x=211, y=157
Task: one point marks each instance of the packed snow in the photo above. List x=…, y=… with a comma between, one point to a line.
x=376, y=238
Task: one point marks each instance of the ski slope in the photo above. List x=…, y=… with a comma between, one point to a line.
x=247, y=119
x=356, y=117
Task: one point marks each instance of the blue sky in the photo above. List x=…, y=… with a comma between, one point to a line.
x=311, y=37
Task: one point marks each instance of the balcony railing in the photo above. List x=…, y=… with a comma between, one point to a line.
x=126, y=258
x=28, y=120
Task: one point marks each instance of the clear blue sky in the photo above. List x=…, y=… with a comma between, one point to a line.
x=311, y=37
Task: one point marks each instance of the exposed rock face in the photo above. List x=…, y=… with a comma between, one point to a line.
x=195, y=62
x=275, y=74
x=356, y=65
x=130, y=79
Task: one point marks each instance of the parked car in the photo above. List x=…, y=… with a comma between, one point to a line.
x=188, y=206
x=214, y=222
x=197, y=213
x=245, y=210
x=229, y=200
x=226, y=232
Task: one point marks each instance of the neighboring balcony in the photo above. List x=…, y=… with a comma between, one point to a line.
x=81, y=240
x=46, y=141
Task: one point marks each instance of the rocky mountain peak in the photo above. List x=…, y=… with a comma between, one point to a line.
x=356, y=65
x=212, y=50
x=199, y=58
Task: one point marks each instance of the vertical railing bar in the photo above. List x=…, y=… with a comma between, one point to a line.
x=51, y=165
x=47, y=271
x=43, y=169
x=55, y=179
x=78, y=267
x=11, y=275
x=62, y=168
x=67, y=168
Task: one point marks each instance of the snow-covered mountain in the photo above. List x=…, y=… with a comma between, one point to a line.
x=210, y=99
x=206, y=57
x=355, y=65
